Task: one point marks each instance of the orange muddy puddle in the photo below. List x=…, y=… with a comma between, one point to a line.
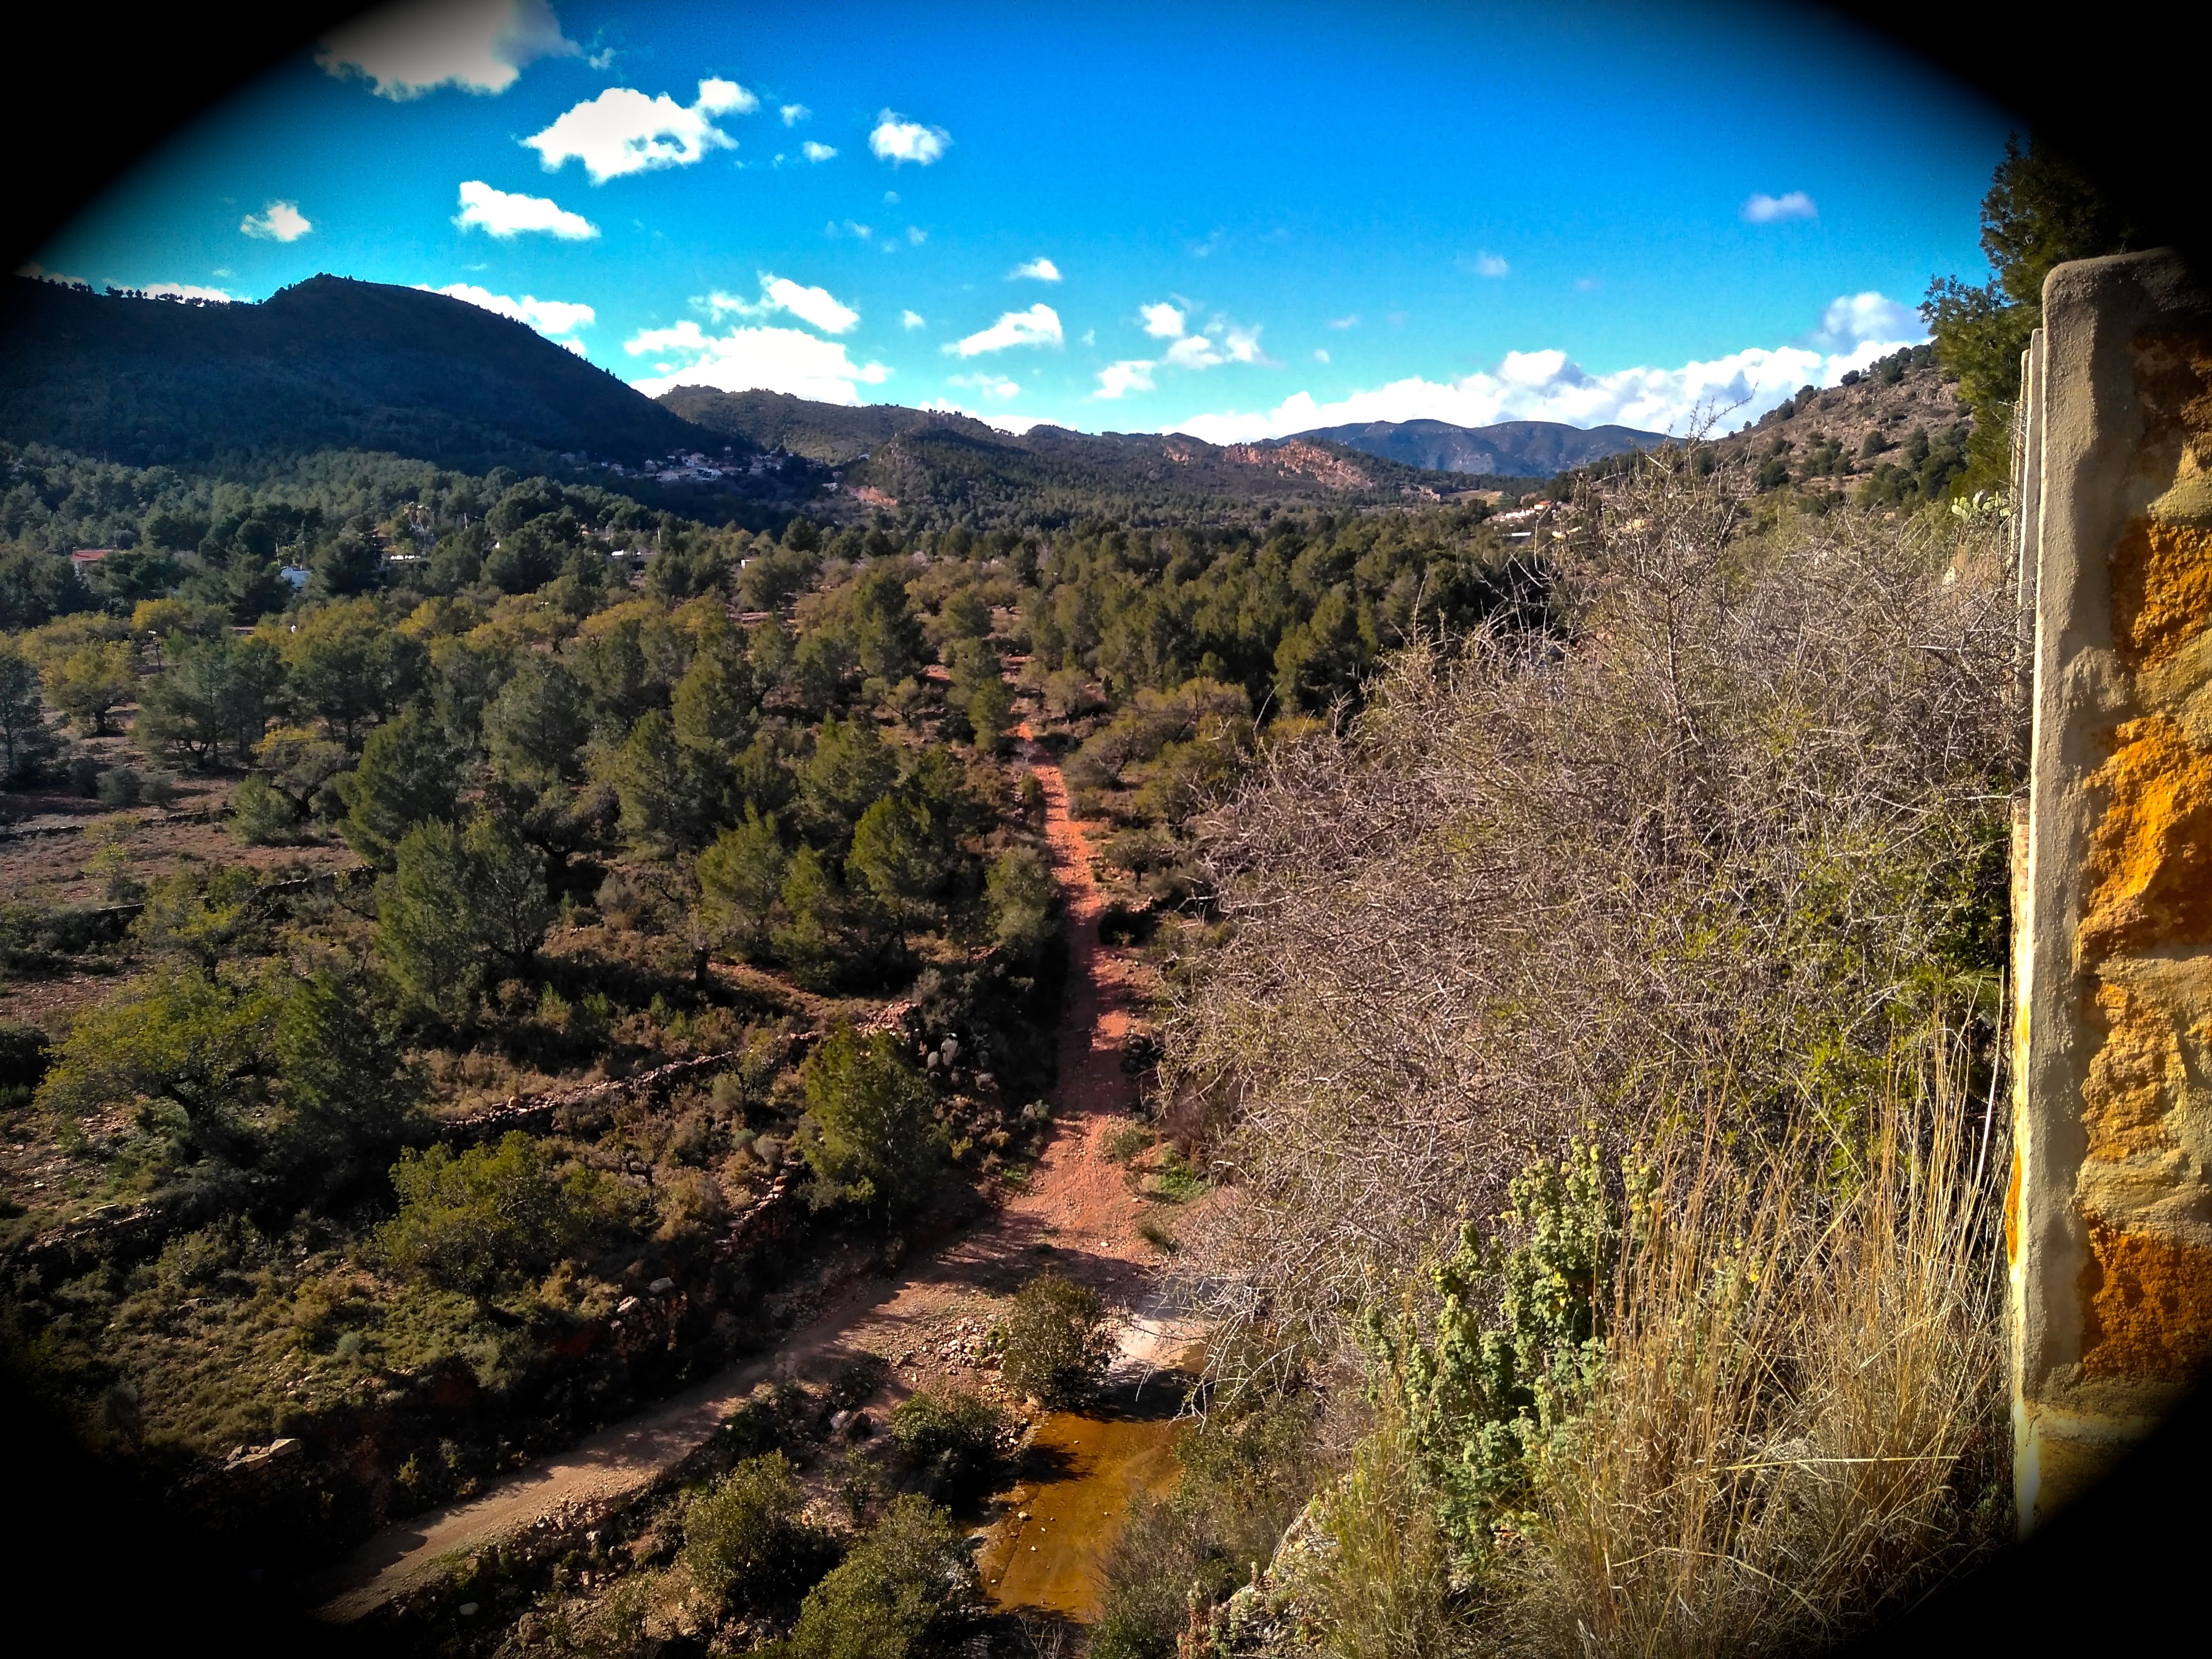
x=1080, y=1476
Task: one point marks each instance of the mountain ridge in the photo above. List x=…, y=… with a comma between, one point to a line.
x=330, y=362
x=1526, y=449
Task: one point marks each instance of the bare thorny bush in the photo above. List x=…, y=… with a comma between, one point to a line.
x=1693, y=870
x=1742, y=821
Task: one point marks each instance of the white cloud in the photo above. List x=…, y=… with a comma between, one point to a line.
x=916, y=235
x=1764, y=209
x=814, y=151
x=39, y=273
x=1039, y=270
x=1219, y=344
x=794, y=113
x=911, y=319
x=1195, y=351
x=277, y=221
x=1162, y=321
x=623, y=131
x=1490, y=265
x=788, y=359
x=1037, y=326
x=481, y=45
x=1117, y=380
x=991, y=385
x=551, y=318
x=897, y=140
x=810, y=305
x=849, y=227
x=1352, y=321
x=1852, y=319
x=502, y=214
x=1545, y=386
x=1321, y=354
x=187, y=291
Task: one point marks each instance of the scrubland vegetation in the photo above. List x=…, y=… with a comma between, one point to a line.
x=456, y=1000
x=1598, y=1033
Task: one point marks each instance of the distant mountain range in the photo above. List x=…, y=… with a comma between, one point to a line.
x=914, y=458
x=1522, y=449
x=329, y=363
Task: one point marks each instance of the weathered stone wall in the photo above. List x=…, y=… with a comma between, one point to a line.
x=2108, y=1221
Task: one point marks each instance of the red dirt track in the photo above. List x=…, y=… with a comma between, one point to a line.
x=1075, y=1211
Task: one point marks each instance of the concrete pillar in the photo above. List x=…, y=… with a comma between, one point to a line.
x=2108, y=1220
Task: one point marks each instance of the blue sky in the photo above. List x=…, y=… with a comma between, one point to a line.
x=1236, y=220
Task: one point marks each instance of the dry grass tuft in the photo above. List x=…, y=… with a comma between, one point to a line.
x=1798, y=1426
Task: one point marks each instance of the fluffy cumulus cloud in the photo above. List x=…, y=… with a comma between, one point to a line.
x=1037, y=271
x=1163, y=321
x=793, y=113
x=1545, y=386
x=480, y=45
x=189, y=291
x=502, y=214
x=556, y=319
x=1119, y=379
x=1219, y=343
x=1490, y=265
x=817, y=306
x=1037, y=326
x=766, y=358
x=277, y=221
x=897, y=140
x=1764, y=209
x=1852, y=320
x=623, y=131
x=814, y=150
x=912, y=319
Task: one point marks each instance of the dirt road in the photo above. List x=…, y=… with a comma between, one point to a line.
x=1075, y=1213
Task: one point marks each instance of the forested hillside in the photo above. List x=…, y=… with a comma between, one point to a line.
x=525, y=792
x=330, y=363
x=939, y=469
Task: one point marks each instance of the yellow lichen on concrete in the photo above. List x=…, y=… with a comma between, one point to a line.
x=2161, y=591
x=2125, y=1097
x=2149, y=868
x=2146, y=1307
x=2012, y=1210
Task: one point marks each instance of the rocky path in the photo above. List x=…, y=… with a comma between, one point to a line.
x=1075, y=1211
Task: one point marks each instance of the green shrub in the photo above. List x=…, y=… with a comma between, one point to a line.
x=25, y=1052
x=491, y=1214
x=119, y=787
x=869, y=1133
x=260, y=817
x=952, y=1436
x=1054, y=1342
x=1125, y=1142
x=745, y=1540
x=880, y=1602
x=1022, y=895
